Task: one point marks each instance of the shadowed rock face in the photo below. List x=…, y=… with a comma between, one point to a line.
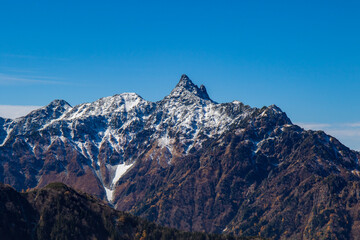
x=190, y=163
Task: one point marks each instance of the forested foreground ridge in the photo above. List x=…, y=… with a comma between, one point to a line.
x=60, y=212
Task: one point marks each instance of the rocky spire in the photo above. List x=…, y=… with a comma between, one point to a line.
x=187, y=89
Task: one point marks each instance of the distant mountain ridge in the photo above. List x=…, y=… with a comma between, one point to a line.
x=189, y=162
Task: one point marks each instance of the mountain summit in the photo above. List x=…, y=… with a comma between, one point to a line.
x=186, y=87
x=191, y=163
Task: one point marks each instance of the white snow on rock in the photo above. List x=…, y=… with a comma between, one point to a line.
x=109, y=194
x=120, y=171
x=124, y=102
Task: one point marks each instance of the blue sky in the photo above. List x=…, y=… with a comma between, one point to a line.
x=303, y=56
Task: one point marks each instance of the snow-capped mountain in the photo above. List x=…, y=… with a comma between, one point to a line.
x=112, y=132
x=185, y=161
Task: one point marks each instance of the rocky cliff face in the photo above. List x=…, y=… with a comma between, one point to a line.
x=190, y=163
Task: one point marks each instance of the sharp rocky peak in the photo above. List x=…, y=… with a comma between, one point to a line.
x=54, y=109
x=187, y=89
x=58, y=103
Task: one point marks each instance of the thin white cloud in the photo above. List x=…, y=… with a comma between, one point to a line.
x=15, y=111
x=19, y=70
x=347, y=133
x=355, y=125
x=8, y=79
x=34, y=57
x=314, y=126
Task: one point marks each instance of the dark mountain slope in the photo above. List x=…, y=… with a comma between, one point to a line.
x=59, y=212
x=294, y=184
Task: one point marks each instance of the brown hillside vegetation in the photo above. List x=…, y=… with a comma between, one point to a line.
x=59, y=212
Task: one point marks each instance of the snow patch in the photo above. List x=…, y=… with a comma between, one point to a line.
x=120, y=171
x=264, y=113
x=131, y=103
x=164, y=141
x=109, y=194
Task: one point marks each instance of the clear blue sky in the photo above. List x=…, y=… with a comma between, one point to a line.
x=303, y=56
